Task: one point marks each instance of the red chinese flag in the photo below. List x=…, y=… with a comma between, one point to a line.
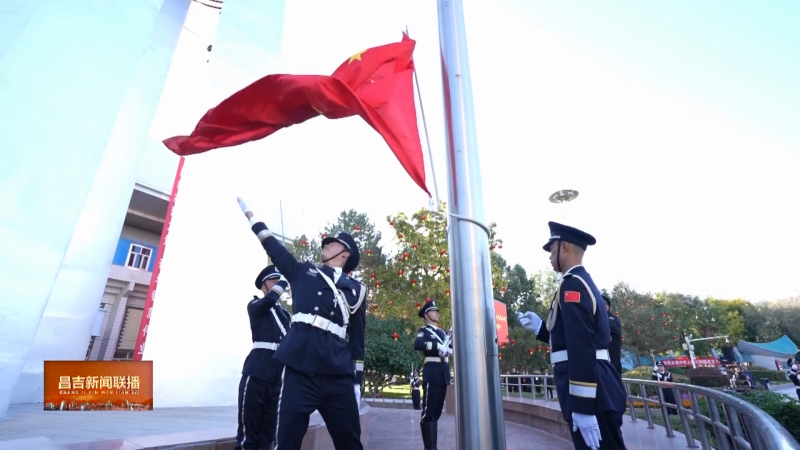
x=572, y=296
x=375, y=84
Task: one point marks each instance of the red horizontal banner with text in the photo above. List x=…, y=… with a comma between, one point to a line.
x=98, y=385
x=686, y=362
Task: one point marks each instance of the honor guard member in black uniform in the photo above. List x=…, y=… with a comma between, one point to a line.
x=433, y=342
x=323, y=370
x=668, y=395
x=261, y=375
x=415, y=384
x=793, y=376
x=615, y=326
x=590, y=390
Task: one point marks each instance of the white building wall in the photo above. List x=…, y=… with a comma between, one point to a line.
x=158, y=166
x=69, y=175
x=247, y=46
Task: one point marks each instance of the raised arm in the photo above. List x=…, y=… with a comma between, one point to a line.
x=261, y=306
x=284, y=261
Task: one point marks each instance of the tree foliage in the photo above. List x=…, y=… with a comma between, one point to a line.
x=389, y=351
x=523, y=352
x=306, y=249
x=647, y=325
x=419, y=269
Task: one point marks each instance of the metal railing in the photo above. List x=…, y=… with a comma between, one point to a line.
x=713, y=419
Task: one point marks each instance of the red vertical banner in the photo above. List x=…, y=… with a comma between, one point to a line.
x=151, y=291
x=501, y=319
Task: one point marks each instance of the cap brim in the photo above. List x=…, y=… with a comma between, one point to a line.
x=546, y=247
x=329, y=240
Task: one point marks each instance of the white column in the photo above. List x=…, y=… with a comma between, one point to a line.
x=80, y=83
x=117, y=317
x=99, y=341
x=246, y=47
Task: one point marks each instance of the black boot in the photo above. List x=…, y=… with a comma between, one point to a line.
x=427, y=429
x=434, y=431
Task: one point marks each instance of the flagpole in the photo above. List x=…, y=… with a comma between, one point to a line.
x=427, y=137
x=479, y=407
x=283, y=232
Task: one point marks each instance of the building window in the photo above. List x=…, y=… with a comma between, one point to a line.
x=139, y=257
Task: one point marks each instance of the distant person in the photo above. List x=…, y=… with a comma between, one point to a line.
x=794, y=377
x=615, y=327
x=415, y=384
x=661, y=374
x=548, y=382
x=432, y=342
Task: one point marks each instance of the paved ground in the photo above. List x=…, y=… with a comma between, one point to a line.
x=28, y=426
x=398, y=429
x=67, y=427
x=786, y=389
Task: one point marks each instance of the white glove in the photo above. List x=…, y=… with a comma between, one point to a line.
x=358, y=395
x=589, y=429
x=444, y=352
x=530, y=321
x=242, y=205
x=246, y=209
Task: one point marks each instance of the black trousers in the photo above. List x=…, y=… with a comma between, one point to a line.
x=610, y=423
x=335, y=399
x=415, y=399
x=258, y=413
x=433, y=401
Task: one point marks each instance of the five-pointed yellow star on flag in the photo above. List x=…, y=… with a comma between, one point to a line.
x=357, y=56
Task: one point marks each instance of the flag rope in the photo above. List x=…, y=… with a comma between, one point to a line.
x=430, y=158
x=480, y=224
x=427, y=137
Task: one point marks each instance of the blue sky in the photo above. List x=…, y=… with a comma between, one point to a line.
x=676, y=121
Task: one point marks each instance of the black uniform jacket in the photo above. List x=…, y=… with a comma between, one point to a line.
x=268, y=323
x=308, y=348
x=428, y=340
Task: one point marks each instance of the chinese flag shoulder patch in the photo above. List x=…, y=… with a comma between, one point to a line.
x=572, y=296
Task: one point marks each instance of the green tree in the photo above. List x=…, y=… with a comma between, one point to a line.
x=544, y=283
x=729, y=316
x=523, y=352
x=306, y=249
x=419, y=270
x=648, y=327
x=519, y=292
x=389, y=351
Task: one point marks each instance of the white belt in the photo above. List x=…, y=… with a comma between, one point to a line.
x=321, y=323
x=435, y=359
x=265, y=345
x=561, y=356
